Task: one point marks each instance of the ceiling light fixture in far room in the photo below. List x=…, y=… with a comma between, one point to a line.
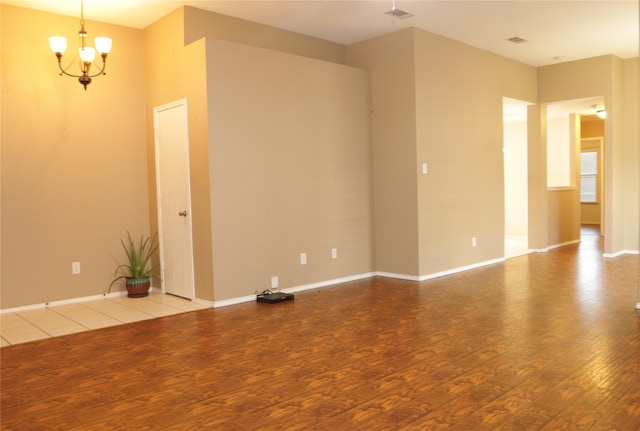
x=600, y=112
x=87, y=54
x=398, y=13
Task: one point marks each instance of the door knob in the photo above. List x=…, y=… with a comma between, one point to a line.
x=182, y=213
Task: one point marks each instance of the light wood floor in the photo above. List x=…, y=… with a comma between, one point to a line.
x=546, y=341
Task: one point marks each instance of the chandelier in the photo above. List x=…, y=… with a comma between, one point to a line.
x=87, y=54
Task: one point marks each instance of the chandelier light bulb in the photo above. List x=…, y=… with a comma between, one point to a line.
x=87, y=54
x=103, y=45
x=58, y=44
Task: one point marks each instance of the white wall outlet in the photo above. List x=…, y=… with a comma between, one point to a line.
x=75, y=268
x=274, y=282
x=334, y=253
x=303, y=258
x=424, y=168
x=474, y=242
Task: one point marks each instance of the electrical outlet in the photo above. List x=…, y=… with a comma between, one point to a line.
x=75, y=268
x=474, y=242
x=334, y=253
x=303, y=258
x=274, y=282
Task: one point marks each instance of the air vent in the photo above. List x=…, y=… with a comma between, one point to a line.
x=517, y=39
x=399, y=13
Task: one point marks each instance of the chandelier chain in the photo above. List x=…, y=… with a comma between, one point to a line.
x=82, y=14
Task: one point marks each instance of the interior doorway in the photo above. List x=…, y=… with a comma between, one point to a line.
x=516, y=184
x=592, y=179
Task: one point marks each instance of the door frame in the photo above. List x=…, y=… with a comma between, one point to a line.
x=599, y=148
x=156, y=111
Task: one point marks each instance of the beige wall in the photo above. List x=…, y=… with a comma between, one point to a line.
x=631, y=124
x=459, y=96
x=424, y=86
x=74, y=176
x=290, y=169
x=199, y=24
x=537, y=176
x=591, y=128
x=390, y=60
x=331, y=141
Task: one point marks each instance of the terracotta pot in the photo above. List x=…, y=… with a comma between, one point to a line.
x=137, y=288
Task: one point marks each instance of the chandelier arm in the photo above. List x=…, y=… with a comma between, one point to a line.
x=101, y=71
x=64, y=71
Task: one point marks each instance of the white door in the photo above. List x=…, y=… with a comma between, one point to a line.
x=174, y=198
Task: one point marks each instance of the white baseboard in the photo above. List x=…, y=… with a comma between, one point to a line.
x=203, y=302
x=562, y=244
x=620, y=253
x=462, y=269
x=234, y=301
x=328, y=282
x=398, y=276
x=438, y=274
x=70, y=301
x=249, y=298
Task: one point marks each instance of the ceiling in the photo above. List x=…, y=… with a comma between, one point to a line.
x=556, y=31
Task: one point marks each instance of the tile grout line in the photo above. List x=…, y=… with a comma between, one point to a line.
x=84, y=305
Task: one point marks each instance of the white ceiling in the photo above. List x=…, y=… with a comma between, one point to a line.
x=557, y=31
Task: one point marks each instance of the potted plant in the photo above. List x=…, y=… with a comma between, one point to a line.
x=138, y=272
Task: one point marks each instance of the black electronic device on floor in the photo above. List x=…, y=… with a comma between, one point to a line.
x=274, y=297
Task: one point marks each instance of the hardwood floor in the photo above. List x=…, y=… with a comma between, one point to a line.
x=546, y=341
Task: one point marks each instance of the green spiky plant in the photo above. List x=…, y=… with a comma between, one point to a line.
x=139, y=256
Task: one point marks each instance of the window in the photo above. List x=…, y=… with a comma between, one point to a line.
x=589, y=177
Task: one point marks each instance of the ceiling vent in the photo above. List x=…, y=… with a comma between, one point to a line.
x=399, y=13
x=517, y=39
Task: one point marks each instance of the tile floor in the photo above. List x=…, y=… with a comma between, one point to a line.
x=53, y=321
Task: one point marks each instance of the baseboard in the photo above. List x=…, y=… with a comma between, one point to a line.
x=328, y=282
x=234, y=301
x=620, y=253
x=539, y=250
x=441, y=273
x=562, y=244
x=249, y=298
x=70, y=301
x=462, y=269
x=398, y=276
